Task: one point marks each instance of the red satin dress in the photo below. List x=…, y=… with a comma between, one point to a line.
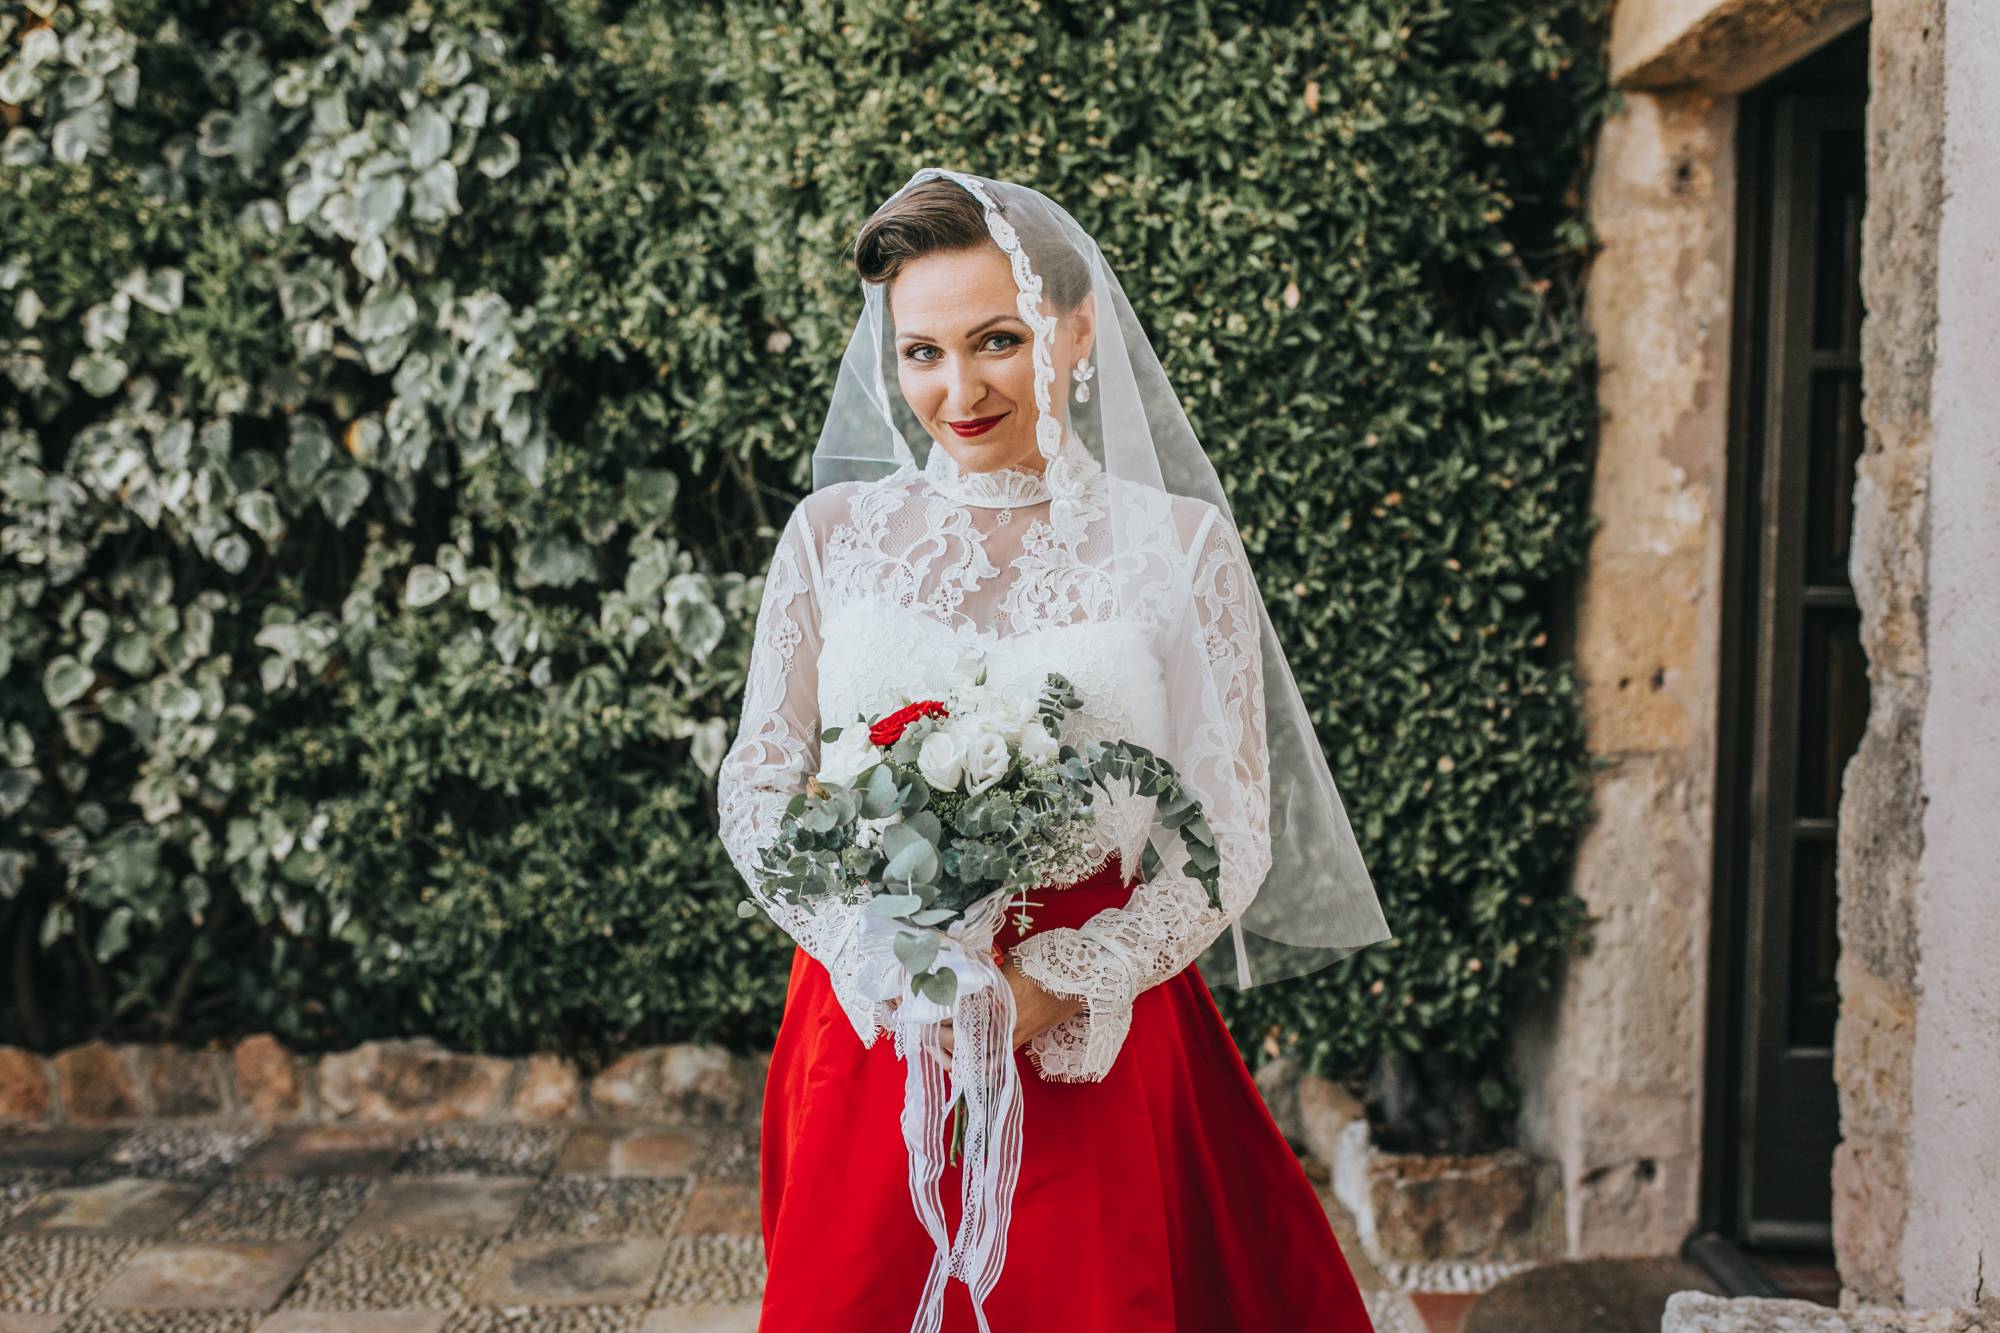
x=1162, y=1199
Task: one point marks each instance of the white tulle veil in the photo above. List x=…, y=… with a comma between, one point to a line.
x=1317, y=903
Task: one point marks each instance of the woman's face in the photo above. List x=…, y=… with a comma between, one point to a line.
x=965, y=358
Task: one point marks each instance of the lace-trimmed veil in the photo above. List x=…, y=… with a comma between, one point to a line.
x=1315, y=903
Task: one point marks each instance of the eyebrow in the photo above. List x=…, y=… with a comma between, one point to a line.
x=972, y=332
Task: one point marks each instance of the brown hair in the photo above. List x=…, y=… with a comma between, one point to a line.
x=940, y=216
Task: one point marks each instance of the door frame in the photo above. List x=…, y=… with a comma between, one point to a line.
x=1733, y=939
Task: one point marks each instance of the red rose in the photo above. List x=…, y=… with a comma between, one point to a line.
x=890, y=729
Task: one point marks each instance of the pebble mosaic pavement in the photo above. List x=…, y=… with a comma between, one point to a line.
x=399, y=1229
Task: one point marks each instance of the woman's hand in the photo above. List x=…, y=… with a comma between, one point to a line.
x=1035, y=1010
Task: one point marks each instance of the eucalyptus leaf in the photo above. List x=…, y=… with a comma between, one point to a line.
x=916, y=951
x=916, y=863
x=939, y=987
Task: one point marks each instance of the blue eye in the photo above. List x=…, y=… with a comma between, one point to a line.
x=1008, y=340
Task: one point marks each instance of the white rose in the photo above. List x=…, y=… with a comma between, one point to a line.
x=941, y=759
x=1037, y=745
x=986, y=761
x=849, y=756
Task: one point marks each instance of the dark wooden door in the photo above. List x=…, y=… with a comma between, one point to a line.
x=1796, y=687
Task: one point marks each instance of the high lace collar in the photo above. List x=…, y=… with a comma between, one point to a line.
x=1002, y=488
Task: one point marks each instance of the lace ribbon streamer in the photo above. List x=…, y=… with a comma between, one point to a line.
x=982, y=1071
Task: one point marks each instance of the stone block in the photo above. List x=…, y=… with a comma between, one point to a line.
x=328, y=1151
x=1335, y=1127
x=1623, y=1208
x=1694, y=1312
x=600, y=1208
x=1871, y=1204
x=411, y=1080
x=1639, y=628
x=680, y=1084
x=479, y=1206
x=127, y=1206
x=722, y=1208
x=618, y=1151
x=354, y=1321
x=270, y=1086
x=549, y=1089
x=1412, y=1208
x=24, y=1087
x=62, y=1149
x=212, y=1276
x=571, y=1272
x=1873, y=1045
x=183, y=1082
x=1721, y=45
x=707, y=1317
x=96, y=1083
x=1420, y=1208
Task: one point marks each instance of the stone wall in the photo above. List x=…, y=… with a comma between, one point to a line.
x=258, y=1080
x=1612, y=1069
x=1881, y=836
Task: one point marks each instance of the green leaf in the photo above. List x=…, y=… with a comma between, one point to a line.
x=65, y=680
x=939, y=987
x=341, y=493
x=917, y=950
x=880, y=793
x=916, y=863
x=426, y=584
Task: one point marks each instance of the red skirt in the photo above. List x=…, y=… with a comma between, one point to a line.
x=1163, y=1197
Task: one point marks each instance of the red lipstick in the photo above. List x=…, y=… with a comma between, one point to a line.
x=976, y=426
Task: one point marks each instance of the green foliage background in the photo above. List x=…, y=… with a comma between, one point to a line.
x=399, y=401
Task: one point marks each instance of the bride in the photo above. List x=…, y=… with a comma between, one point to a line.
x=966, y=516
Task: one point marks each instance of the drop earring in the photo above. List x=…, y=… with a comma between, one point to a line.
x=1081, y=373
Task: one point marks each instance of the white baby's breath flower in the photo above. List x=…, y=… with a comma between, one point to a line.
x=868, y=832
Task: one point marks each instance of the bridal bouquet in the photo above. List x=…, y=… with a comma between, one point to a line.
x=935, y=818
x=943, y=805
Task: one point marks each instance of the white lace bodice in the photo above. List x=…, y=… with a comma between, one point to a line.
x=887, y=591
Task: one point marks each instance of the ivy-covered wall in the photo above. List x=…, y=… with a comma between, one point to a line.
x=398, y=400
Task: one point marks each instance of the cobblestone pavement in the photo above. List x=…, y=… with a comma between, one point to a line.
x=391, y=1229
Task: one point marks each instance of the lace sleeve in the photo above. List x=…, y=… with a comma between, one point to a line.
x=1215, y=683
x=777, y=745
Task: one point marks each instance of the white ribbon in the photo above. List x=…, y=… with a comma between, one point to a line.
x=982, y=1071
